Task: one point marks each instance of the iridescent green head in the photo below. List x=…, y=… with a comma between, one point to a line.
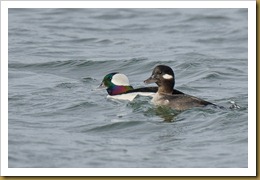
x=107, y=80
x=116, y=83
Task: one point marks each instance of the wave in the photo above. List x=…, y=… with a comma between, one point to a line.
x=117, y=126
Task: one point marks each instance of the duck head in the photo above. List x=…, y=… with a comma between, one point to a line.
x=116, y=83
x=163, y=76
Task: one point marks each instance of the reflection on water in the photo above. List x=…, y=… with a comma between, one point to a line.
x=166, y=113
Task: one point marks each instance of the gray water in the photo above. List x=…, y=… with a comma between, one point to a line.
x=58, y=57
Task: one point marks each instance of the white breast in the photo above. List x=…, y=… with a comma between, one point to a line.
x=158, y=100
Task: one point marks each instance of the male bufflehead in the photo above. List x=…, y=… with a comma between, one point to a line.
x=118, y=87
x=163, y=76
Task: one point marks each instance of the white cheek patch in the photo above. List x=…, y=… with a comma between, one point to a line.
x=167, y=76
x=120, y=80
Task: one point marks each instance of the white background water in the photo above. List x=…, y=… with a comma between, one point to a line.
x=57, y=58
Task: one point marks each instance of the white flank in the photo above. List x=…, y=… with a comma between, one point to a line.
x=120, y=80
x=130, y=96
x=167, y=76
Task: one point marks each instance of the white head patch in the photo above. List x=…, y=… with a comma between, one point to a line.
x=120, y=80
x=167, y=76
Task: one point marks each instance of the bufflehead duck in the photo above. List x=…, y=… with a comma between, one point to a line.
x=163, y=76
x=118, y=87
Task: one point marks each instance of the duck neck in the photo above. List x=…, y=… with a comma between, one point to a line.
x=166, y=87
x=165, y=90
x=115, y=90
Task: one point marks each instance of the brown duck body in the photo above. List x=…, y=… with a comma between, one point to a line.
x=163, y=76
x=178, y=101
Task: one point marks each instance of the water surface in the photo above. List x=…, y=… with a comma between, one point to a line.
x=57, y=117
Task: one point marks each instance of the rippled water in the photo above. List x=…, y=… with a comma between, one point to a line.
x=57, y=58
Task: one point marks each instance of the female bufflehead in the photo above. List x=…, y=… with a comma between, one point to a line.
x=163, y=76
x=118, y=87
